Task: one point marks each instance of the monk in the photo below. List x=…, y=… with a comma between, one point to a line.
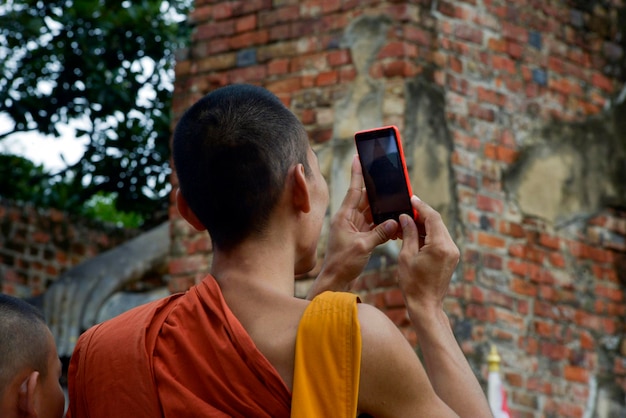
x=30, y=368
x=239, y=343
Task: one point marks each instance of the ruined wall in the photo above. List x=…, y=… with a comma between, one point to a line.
x=513, y=130
x=37, y=245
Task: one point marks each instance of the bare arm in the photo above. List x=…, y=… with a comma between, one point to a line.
x=393, y=382
x=352, y=239
x=426, y=264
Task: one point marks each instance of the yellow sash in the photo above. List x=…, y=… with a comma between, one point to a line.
x=328, y=358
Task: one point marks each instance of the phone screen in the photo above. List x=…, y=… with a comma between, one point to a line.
x=385, y=174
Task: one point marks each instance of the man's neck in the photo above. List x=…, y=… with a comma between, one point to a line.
x=256, y=265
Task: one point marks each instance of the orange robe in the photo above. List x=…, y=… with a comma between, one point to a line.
x=183, y=356
x=328, y=358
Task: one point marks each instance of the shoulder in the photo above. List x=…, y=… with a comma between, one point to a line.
x=130, y=325
x=393, y=381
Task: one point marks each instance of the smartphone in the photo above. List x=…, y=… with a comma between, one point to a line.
x=385, y=173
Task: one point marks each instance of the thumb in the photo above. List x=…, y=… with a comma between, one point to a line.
x=409, y=230
x=384, y=232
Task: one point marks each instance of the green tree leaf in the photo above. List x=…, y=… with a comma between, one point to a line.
x=63, y=60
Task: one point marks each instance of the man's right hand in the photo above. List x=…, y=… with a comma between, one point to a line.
x=426, y=261
x=352, y=238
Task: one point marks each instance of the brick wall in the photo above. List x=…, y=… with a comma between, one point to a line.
x=37, y=245
x=551, y=297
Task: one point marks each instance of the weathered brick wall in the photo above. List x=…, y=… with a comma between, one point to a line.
x=37, y=245
x=549, y=294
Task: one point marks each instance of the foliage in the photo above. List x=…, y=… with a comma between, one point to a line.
x=108, y=64
x=22, y=180
x=101, y=206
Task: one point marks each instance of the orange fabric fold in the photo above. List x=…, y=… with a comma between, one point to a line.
x=328, y=358
x=183, y=356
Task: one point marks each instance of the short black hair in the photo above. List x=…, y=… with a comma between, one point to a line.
x=232, y=150
x=23, y=339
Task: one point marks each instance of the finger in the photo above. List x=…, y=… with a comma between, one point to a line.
x=410, y=241
x=429, y=219
x=355, y=191
x=383, y=233
x=364, y=201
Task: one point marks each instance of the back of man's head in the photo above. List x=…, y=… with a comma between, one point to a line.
x=232, y=150
x=23, y=339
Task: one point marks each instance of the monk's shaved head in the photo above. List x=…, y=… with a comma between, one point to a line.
x=23, y=339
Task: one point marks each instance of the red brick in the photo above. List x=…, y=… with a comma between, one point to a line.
x=311, y=29
x=455, y=64
x=307, y=116
x=248, y=74
x=200, y=14
x=481, y=112
x=576, y=374
x=554, y=351
x=468, y=33
x=217, y=62
x=249, y=39
x=550, y=241
x=327, y=78
x=609, y=292
x=512, y=319
x=288, y=85
x=281, y=15
x=329, y=6
x=308, y=81
x=280, y=32
x=578, y=249
x=393, y=298
x=217, y=46
x=309, y=62
x=222, y=10
x=489, y=204
x=399, y=69
x=480, y=312
x=523, y=287
x=398, y=316
x=515, y=50
x=403, y=12
x=544, y=329
x=40, y=237
x=278, y=67
x=398, y=49
x=347, y=75
x=520, y=268
x=447, y=9
x=180, y=284
x=587, y=341
x=492, y=261
x=339, y=57
x=246, y=23
x=417, y=35
x=490, y=240
x=490, y=96
x=602, y=82
x=516, y=33
x=500, y=63
x=213, y=30
x=321, y=135
x=189, y=264
x=565, y=86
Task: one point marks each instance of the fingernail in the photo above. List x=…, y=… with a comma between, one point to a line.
x=388, y=227
x=404, y=220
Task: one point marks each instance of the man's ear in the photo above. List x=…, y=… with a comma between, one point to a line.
x=26, y=396
x=301, y=197
x=186, y=212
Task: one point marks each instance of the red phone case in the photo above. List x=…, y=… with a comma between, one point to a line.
x=381, y=132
